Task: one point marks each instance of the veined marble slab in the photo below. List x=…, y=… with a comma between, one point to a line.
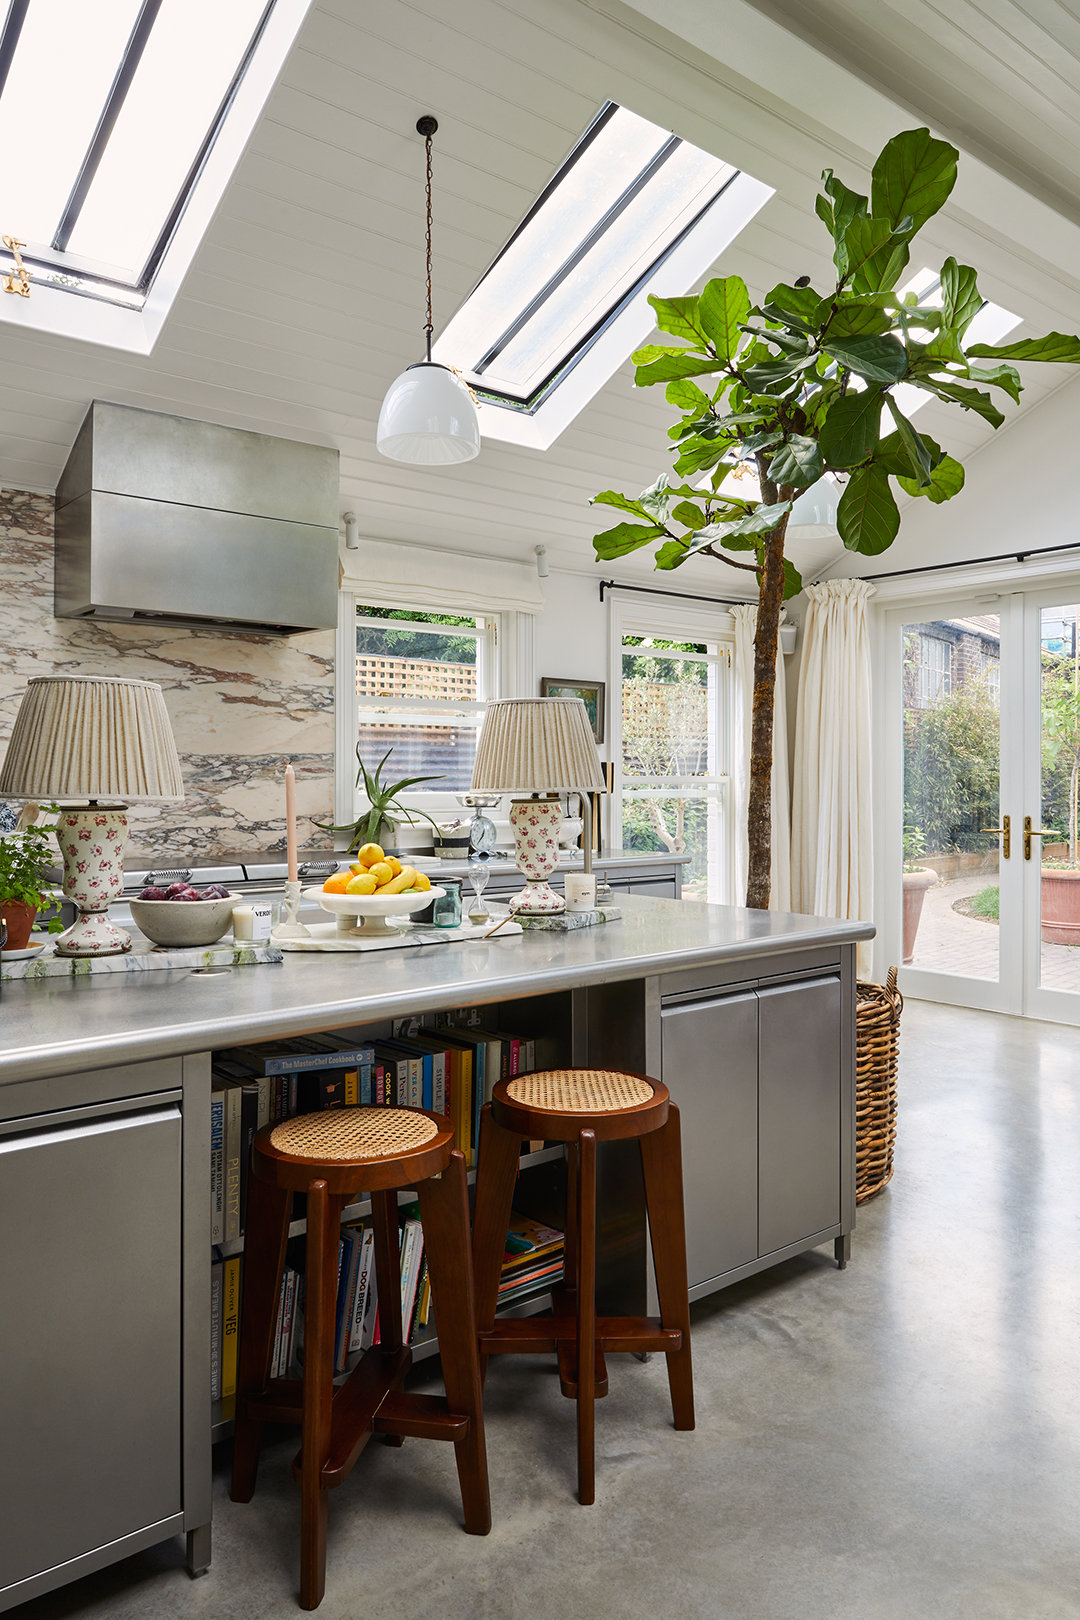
x=142, y=958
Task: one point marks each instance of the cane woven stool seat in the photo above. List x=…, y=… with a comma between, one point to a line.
x=330, y=1156
x=583, y=1107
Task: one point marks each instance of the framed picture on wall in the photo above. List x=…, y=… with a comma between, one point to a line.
x=591, y=694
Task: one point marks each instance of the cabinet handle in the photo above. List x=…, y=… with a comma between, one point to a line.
x=1006, y=835
x=1031, y=832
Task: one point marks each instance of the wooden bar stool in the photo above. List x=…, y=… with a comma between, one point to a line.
x=329, y=1156
x=582, y=1107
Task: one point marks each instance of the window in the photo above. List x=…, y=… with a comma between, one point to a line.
x=673, y=776
x=632, y=200
x=123, y=110
x=933, y=668
x=422, y=680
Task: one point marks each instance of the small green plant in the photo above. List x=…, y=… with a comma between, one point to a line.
x=985, y=903
x=23, y=859
x=914, y=848
x=382, y=803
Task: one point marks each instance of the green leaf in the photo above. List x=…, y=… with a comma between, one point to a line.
x=687, y=396
x=784, y=302
x=868, y=516
x=657, y=498
x=918, y=454
x=892, y=456
x=797, y=462
x=1002, y=376
x=672, y=554
x=852, y=428
x=722, y=308
x=767, y=373
x=1055, y=347
x=679, y=316
x=863, y=239
x=763, y=440
x=671, y=364
x=855, y=317
x=914, y=174
x=792, y=579
x=944, y=346
x=697, y=455
x=877, y=359
x=652, y=351
x=838, y=212
x=946, y=480
x=969, y=398
x=626, y=537
x=793, y=343
x=881, y=272
x=689, y=515
x=961, y=299
x=762, y=520
x=611, y=497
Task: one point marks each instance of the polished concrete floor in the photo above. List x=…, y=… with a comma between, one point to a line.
x=898, y=1441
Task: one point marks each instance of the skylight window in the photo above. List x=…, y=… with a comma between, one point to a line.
x=628, y=198
x=120, y=104
x=990, y=325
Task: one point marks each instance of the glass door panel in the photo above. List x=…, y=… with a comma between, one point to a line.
x=951, y=786
x=1053, y=873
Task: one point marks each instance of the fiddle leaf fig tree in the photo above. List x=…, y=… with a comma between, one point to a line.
x=804, y=384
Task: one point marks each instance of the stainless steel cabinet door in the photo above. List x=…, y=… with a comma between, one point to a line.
x=799, y=1111
x=710, y=1065
x=89, y=1335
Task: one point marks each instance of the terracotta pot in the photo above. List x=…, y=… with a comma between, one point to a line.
x=1061, y=907
x=18, y=919
x=915, y=887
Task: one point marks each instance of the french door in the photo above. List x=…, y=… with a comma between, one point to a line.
x=982, y=891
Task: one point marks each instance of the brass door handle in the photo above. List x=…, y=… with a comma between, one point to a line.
x=1006, y=835
x=1031, y=832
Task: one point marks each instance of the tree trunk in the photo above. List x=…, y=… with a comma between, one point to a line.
x=759, y=810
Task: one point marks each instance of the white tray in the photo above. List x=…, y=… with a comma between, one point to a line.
x=326, y=937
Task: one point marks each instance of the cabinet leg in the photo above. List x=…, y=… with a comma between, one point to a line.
x=198, y=1550
x=842, y=1250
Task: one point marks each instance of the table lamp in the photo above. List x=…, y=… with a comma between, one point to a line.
x=92, y=737
x=540, y=747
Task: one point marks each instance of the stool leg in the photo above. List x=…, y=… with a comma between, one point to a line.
x=319, y=1302
x=444, y=1210
x=267, y=1234
x=586, y=1317
x=570, y=1237
x=496, y=1176
x=661, y=1159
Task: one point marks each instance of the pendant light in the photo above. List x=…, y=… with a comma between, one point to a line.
x=429, y=415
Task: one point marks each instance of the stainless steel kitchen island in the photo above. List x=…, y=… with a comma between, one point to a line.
x=748, y=1017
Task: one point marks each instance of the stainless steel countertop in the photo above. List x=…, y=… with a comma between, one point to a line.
x=63, y=1026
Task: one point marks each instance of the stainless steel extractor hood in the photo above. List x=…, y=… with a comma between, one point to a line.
x=166, y=520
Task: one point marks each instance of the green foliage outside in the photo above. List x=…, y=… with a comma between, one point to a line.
x=665, y=733
x=1061, y=749
x=952, y=769
x=393, y=643
x=985, y=903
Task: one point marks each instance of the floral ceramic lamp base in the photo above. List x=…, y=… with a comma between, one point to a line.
x=92, y=845
x=536, y=824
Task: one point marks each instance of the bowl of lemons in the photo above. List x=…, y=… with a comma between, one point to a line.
x=373, y=889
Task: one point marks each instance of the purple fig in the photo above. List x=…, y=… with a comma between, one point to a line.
x=152, y=892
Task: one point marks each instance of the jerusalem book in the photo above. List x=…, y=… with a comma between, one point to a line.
x=216, y=1281
x=232, y=1160
x=230, y=1325
x=217, y=1164
x=364, y=1273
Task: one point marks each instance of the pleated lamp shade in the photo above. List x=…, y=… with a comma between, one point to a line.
x=92, y=737
x=537, y=745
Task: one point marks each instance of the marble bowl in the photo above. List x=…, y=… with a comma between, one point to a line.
x=372, y=910
x=182, y=923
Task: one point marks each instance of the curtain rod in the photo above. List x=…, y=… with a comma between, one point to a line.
x=682, y=596
x=972, y=562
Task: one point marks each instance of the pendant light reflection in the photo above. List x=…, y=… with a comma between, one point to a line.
x=428, y=416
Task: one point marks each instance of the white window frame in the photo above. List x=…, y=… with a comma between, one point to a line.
x=679, y=622
x=493, y=653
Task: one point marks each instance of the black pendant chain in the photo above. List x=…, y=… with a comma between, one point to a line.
x=426, y=126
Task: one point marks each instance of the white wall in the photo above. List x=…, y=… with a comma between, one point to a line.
x=572, y=631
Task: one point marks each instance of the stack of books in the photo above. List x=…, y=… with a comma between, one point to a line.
x=533, y=1258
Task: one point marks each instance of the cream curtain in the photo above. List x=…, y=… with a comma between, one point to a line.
x=832, y=853
x=745, y=622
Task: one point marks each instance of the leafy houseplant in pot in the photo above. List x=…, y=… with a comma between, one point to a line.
x=24, y=856
x=379, y=822
x=1061, y=757
x=917, y=879
x=801, y=385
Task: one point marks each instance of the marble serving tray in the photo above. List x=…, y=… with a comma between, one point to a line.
x=326, y=937
x=143, y=957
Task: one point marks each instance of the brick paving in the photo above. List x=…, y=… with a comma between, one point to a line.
x=948, y=942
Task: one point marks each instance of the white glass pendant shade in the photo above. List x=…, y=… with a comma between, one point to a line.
x=428, y=417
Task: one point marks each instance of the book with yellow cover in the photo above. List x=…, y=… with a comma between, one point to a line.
x=230, y=1325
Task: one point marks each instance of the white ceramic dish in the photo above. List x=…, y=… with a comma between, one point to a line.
x=23, y=955
x=372, y=910
x=184, y=922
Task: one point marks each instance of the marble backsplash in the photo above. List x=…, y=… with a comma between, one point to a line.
x=240, y=706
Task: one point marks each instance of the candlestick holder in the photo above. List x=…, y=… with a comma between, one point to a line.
x=288, y=927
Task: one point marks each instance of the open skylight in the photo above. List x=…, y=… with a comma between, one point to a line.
x=112, y=113
x=633, y=209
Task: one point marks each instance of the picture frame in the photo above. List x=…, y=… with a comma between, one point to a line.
x=591, y=693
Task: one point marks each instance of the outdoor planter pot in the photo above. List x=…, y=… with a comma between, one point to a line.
x=18, y=918
x=1060, y=907
x=915, y=887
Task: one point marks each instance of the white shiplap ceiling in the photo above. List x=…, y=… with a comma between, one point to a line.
x=307, y=296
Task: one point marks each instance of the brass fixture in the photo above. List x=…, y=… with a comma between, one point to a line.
x=19, y=280
x=1006, y=834
x=1031, y=832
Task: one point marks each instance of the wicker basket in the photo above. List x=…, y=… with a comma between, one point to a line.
x=877, y=1046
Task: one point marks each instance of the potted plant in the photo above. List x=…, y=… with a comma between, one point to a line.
x=797, y=387
x=1061, y=755
x=378, y=824
x=917, y=879
x=24, y=856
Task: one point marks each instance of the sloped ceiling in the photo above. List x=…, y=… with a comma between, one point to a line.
x=306, y=299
